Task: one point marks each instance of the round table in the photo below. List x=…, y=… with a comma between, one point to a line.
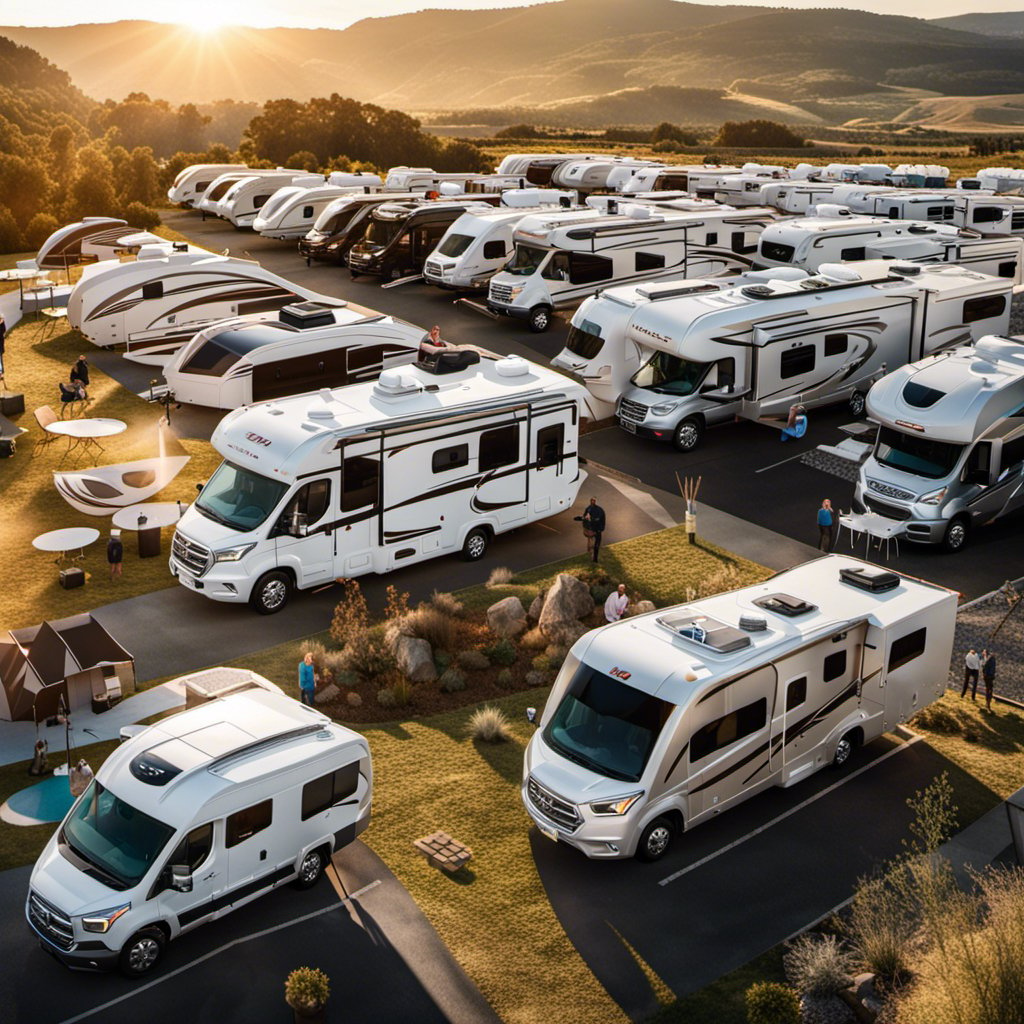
x=66, y=540
x=21, y=275
x=158, y=514
x=86, y=431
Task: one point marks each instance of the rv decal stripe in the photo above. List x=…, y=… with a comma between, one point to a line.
x=71, y=244
x=234, y=895
x=796, y=730
x=393, y=536
x=756, y=752
x=760, y=768
x=678, y=758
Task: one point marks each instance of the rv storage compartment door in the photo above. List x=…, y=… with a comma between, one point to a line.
x=358, y=523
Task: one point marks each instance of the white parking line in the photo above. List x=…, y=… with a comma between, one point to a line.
x=782, y=817
x=221, y=949
x=782, y=463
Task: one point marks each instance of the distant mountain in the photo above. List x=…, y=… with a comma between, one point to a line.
x=571, y=50
x=1009, y=25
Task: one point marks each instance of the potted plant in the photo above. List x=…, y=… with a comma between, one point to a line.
x=306, y=990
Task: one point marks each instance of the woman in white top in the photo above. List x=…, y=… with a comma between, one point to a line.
x=616, y=605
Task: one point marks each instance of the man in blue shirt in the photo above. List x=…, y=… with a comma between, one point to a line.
x=307, y=679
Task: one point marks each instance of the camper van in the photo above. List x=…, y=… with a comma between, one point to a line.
x=341, y=224
x=399, y=236
x=561, y=258
x=661, y=721
x=291, y=211
x=432, y=459
x=306, y=348
x=753, y=351
x=192, y=818
x=950, y=449
x=192, y=181
x=990, y=215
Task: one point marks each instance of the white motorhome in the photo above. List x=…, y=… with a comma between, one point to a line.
x=907, y=204
x=341, y=224
x=949, y=455
x=192, y=818
x=155, y=304
x=292, y=211
x=796, y=197
x=432, y=459
x=241, y=204
x=591, y=175
x=192, y=182
x=308, y=347
x=1001, y=179
x=920, y=175
x=561, y=258
x=743, y=189
x=674, y=178
x=661, y=721
x=537, y=168
x=990, y=215
x=754, y=351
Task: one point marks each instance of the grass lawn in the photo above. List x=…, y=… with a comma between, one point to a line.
x=38, y=355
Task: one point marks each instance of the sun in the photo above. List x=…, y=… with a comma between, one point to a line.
x=207, y=19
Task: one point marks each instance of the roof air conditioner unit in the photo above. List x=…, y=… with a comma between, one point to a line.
x=512, y=366
x=838, y=272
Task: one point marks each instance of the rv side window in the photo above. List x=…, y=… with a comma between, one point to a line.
x=940, y=213
x=245, y=824
x=586, y=268
x=649, y=261
x=739, y=243
x=1008, y=269
x=712, y=238
x=311, y=500
x=494, y=250
x=907, y=648
x=259, y=201
x=210, y=360
x=363, y=357
x=153, y=290
x=728, y=729
x=499, y=447
x=1012, y=455
x=194, y=848
x=835, y=666
x=329, y=790
x=836, y=344
x=796, y=693
x=549, y=444
x=450, y=458
x=359, y=482
x=797, y=361
x=987, y=214
x=983, y=307
x=853, y=253
x=307, y=212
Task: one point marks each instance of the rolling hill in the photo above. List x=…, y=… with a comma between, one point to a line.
x=1007, y=25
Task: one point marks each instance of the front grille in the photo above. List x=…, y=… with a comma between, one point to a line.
x=501, y=292
x=889, y=491
x=432, y=269
x=50, y=922
x=777, y=251
x=634, y=412
x=554, y=808
x=883, y=508
x=193, y=557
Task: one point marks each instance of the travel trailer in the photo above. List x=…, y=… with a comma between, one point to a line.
x=292, y=211
x=1001, y=179
x=949, y=455
x=742, y=189
x=537, y=168
x=796, y=197
x=399, y=236
x=906, y=204
x=308, y=347
x=192, y=181
x=998, y=255
x=194, y=817
x=756, y=350
x=590, y=175
x=208, y=202
x=990, y=215
x=423, y=179
x=431, y=459
x=661, y=721
x=89, y=240
x=675, y=178
x=155, y=304
x=876, y=174
x=561, y=258
x=341, y=224
x=241, y=204
x=920, y=176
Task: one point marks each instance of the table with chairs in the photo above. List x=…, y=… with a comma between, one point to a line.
x=874, y=527
x=86, y=432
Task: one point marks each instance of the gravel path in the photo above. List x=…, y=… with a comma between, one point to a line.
x=974, y=626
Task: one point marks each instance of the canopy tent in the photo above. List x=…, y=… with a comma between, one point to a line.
x=75, y=659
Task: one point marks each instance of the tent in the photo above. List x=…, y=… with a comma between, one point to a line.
x=75, y=659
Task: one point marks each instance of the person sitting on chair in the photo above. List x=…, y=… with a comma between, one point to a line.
x=80, y=374
x=796, y=424
x=71, y=392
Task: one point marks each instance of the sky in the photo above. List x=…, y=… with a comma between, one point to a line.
x=339, y=13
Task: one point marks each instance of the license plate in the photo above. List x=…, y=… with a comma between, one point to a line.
x=551, y=833
x=627, y=426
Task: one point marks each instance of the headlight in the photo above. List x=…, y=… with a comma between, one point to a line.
x=101, y=921
x=664, y=408
x=234, y=554
x=617, y=806
x=933, y=497
x=516, y=290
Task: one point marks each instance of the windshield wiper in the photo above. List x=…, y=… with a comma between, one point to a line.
x=215, y=516
x=119, y=883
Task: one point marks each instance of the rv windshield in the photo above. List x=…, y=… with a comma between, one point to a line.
x=239, y=498
x=669, y=375
x=526, y=260
x=382, y=232
x=606, y=725
x=585, y=341
x=455, y=245
x=916, y=454
x=115, y=838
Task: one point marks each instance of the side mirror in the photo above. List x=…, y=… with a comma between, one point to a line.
x=531, y=716
x=297, y=526
x=726, y=393
x=199, y=487
x=181, y=878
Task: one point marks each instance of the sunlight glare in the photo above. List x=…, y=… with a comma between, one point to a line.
x=206, y=19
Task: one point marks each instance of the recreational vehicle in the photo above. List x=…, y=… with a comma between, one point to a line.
x=796, y=197
x=753, y=351
x=950, y=449
x=341, y=224
x=742, y=189
x=308, y=347
x=242, y=202
x=675, y=178
x=920, y=176
x=89, y=240
x=399, y=236
x=292, y=211
x=561, y=258
x=432, y=459
x=192, y=181
x=208, y=202
x=597, y=175
x=423, y=179
x=905, y=204
x=990, y=215
x=192, y=818
x=537, y=168
x=157, y=303
x=1001, y=179
x=661, y=721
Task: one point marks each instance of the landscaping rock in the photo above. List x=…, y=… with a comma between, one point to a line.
x=564, y=634
x=507, y=617
x=353, y=699
x=415, y=660
x=473, y=661
x=537, y=678
x=327, y=694
x=536, y=605
x=566, y=603
x=640, y=608
x=825, y=1010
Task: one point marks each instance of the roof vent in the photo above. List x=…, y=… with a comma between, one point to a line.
x=152, y=769
x=512, y=366
x=785, y=604
x=638, y=212
x=709, y=633
x=446, y=360
x=753, y=623
x=304, y=315
x=904, y=269
x=757, y=291
x=832, y=210
x=321, y=414
x=839, y=272
x=870, y=578
x=920, y=229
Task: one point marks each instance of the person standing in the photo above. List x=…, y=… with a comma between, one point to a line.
x=593, y=526
x=616, y=605
x=307, y=679
x=988, y=673
x=826, y=526
x=115, y=554
x=972, y=664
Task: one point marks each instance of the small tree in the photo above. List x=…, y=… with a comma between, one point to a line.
x=758, y=134
x=351, y=614
x=768, y=1002
x=520, y=131
x=40, y=227
x=304, y=159
x=139, y=215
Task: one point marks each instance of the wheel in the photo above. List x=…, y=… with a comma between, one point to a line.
x=142, y=952
x=655, y=840
x=956, y=535
x=310, y=870
x=858, y=403
x=687, y=435
x=475, y=546
x=844, y=748
x=539, y=319
x=271, y=592
x=353, y=273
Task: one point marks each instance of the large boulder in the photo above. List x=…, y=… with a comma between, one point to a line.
x=415, y=660
x=566, y=603
x=564, y=634
x=536, y=607
x=507, y=617
x=640, y=608
x=327, y=694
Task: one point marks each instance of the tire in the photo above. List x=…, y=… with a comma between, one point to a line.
x=311, y=869
x=858, y=404
x=475, y=545
x=142, y=952
x=655, y=840
x=271, y=592
x=687, y=434
x=844, y=748
x=957, y=533
x=539, y=319
x=353, y=273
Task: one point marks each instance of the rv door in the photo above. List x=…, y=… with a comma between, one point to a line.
x=995, y=467
x=359, y=504
x=190, y=896
x=304, y=533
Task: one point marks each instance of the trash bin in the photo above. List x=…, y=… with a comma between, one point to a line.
x=149, y=542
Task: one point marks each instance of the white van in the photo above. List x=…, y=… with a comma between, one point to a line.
x=194, y=817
